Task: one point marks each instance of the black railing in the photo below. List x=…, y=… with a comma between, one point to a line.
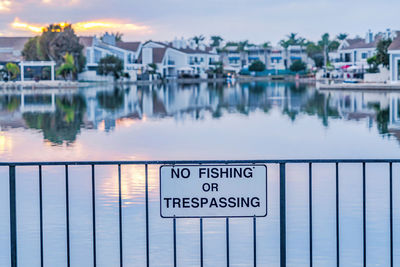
x=282, y=185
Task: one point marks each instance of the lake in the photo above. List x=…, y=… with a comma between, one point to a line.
x=257, y=120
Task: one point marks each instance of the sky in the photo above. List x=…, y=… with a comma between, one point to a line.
x=255, y=20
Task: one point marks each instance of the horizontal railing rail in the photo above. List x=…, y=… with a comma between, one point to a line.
x=282, y=205
x=157, y=162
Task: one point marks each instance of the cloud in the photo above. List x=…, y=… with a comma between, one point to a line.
x=60, y=2
x=17, y=24
x=92, y=27
x=5, y=5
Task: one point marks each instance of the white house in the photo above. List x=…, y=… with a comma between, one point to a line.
x=177, y=58
x=95, y=49
x=355, y=52
x=11, y=52
x=275, y=58
x=394, y=57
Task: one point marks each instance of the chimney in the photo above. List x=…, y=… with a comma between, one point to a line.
x=369, y=37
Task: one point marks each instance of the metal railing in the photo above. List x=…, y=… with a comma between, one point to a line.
x=282, y=206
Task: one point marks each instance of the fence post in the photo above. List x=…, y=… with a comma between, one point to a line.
x=282, y=187
x=13, y=217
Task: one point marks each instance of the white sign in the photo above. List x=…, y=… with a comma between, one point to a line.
x=188, y=191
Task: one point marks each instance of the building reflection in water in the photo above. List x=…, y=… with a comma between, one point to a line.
x=61, y=114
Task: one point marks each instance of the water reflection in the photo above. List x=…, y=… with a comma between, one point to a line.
x=61, y=114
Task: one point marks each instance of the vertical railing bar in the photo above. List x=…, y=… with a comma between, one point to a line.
x=147, y=215
x=310, y=212
x=121, y=261
x=41, y=214
x=227, y=242
x=337, y=217
x=94, y=215
x=201, y=242
x=13, y=216
x=364, y=218
x=67, y=213
x=174, y=230
x=282, y=186
x=254, y=241
x=391, y=211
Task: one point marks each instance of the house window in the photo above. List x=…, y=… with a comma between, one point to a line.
x=364, y=55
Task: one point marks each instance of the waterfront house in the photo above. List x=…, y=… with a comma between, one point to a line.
x=280, y=58
x=275, y=58
x=11, y=52
x=97, y=48
x=236, y=58
x=178, y=58
x=355, y=51
x=394, y=58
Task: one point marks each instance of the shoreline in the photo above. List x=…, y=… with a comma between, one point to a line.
x=79, y=84
x=359, y=87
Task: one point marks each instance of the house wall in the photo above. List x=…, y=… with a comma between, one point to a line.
x=394, y=63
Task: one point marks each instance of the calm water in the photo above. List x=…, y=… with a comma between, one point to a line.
x=206, y=121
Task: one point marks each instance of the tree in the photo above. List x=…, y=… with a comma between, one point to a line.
x=373, y=65
x=111, y=65
x=257, y=66
x=55, y=41
x=13, y=70
x=298, y=65
x=216, y=41
x=242, y=45
x=342, y=36
x=382, y=55
x=198, y=39
x=324, y=43
x=292, y=39
x=68, y=67
x=266, y=45
x=315, y=52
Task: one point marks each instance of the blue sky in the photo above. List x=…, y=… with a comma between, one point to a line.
x=256, y=20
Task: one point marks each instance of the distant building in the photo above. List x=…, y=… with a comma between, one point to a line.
x=95, y=49
x=178, y=58
x=281, y=58
x=274, y=58
x=356, y=51
x=11, y=51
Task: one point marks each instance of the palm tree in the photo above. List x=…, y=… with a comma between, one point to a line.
x=342, y=36
x=242, y=45
x=324, y=43
x=266, y=45
x=68, y=67
x=198, y=39
x=13, y=70
x=216, y=40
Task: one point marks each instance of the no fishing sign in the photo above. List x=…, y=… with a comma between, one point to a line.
x=191, y=191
